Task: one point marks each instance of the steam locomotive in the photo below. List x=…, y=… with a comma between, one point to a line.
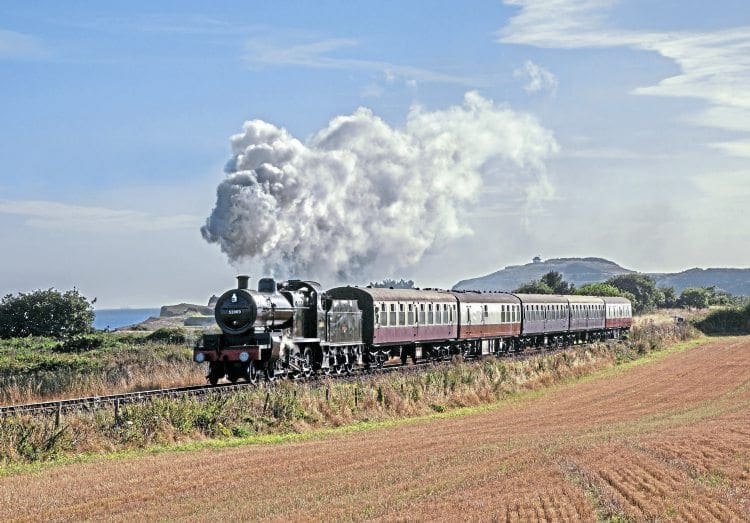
x=294, y=329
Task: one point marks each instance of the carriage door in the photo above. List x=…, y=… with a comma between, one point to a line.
x=485, y=319
x=411, y=319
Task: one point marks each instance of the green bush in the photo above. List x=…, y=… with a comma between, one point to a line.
x=732, y=320
x=174, y=335
x=60, y=315
x=80, y=344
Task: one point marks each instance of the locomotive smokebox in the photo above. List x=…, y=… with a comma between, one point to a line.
x=242, y=281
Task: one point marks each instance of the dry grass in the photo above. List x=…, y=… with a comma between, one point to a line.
x=118, y=379
x=663, y=441
x=292, y=408
x=667, y=316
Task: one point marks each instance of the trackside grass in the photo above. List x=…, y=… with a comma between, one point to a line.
x=38, y=369
x=293, y=412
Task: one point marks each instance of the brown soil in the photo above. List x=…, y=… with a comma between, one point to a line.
x=667, y=440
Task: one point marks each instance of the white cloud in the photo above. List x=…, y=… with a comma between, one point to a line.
x=538, y=77
x=63, y=216
x=714, y=65
x=15, y=45
x=317, y=54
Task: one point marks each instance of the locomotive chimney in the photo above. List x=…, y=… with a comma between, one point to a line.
x=242, y=281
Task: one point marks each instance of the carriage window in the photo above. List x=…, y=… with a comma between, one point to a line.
x=453, y=307
x=486, y=312
x=438, y=316
x=429, y=314
x=411, y=314
x=383, y=315
x=401, y=314
x=392, y=317
x=421, y=313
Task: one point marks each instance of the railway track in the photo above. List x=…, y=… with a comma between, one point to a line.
x=121, y=399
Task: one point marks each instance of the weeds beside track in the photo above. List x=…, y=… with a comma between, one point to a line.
x=288, y=407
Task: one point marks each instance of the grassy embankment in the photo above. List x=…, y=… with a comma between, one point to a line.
x=288, y=410
x=38, y=369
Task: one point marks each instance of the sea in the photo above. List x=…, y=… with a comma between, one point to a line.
x=116, y=318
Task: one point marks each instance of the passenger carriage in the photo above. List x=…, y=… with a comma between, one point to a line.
x=489, y=322
x=545, y=319
x=587, y=318
x=619, y=315
x=404, y=322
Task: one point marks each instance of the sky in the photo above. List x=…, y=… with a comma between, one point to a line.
x=352, y=141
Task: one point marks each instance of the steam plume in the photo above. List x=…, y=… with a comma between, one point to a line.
x=362, y=194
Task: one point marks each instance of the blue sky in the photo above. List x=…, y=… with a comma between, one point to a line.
x=116, y=119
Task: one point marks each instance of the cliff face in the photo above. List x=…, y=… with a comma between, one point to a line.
x=587, y=270
x=574, y=270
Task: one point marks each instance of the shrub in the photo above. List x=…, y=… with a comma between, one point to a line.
x=46, y=313
x=80, y=344
x=174, y=335
x=695, y=297
x=732, y=320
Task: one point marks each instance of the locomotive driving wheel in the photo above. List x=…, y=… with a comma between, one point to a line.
x=270, y=371
x=307, y=363
x=251, y=373
x=215, y=373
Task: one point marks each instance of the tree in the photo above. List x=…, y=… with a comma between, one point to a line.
x=550, y=283
x=646, y=297
x=670, y=297
x=389, y=283
x=719, y=297
x=534, y=287
x=598, y=289
x=46, y=313
x=554, y=281
x=694, y=297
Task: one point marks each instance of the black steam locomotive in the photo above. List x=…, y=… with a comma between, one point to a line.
x=294, y=329
x=282, y=328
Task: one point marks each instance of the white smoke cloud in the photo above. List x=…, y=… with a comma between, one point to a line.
x=362, y=195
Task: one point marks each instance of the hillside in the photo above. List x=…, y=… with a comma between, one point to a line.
x=735, y=281
x=574, y=270
x=586, y=270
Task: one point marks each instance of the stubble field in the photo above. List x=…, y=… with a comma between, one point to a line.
x=668, y=439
